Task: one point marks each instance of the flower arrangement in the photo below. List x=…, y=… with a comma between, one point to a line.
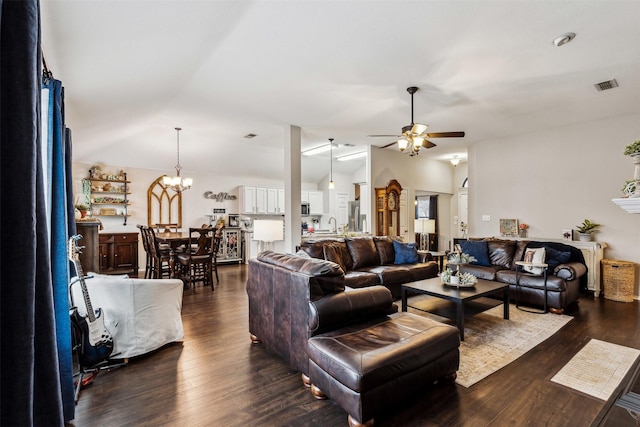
x=461, y=258
x=451, y=277
x=523, y=226
x=446, y=275
x=468, y=279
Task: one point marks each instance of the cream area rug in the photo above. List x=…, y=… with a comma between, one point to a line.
x=597, y=369
x=491, y=342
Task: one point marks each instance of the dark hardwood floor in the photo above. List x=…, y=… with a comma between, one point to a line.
x=216, y=377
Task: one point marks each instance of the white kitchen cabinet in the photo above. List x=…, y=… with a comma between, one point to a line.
x=248, y=202
x=254, y=200
x=261, y=200
x=272, y=200
x=304, y=196
x=281, y=201
x=316, y=202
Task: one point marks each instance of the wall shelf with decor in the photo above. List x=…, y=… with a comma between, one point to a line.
x=631, y=204
x=107, y=194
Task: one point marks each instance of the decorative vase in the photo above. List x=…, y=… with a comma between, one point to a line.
x=636, y=164
x=83, y=214
x=522, y=233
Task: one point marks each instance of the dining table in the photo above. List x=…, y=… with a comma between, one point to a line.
x=174, y=239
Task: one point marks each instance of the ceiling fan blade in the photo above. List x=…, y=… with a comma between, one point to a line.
x=384, y=136
x=428, y=144
x=388, y=145
x=445, y=135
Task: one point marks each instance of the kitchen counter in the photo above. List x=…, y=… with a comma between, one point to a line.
x=329, y=235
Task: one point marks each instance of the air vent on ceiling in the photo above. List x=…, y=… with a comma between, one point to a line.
x=348, y=145
x=250, y=135
x=609, y=84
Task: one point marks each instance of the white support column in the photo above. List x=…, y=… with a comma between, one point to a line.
x=292, y=188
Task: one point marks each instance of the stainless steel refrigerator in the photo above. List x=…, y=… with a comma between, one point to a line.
x=355, y=218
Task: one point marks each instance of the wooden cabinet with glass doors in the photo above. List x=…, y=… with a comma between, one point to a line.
x=388, y=209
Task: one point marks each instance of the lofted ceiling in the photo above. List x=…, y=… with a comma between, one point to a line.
x=134, y=70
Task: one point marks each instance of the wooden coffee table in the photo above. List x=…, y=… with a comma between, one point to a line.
x=434, y=287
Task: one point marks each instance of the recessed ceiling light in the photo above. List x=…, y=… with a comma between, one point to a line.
x=563, y=39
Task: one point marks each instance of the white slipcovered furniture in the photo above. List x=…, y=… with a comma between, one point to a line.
x=141, y=314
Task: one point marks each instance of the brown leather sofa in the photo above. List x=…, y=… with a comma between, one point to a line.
x=350, y=345
x=564, y=278
x=369, y=261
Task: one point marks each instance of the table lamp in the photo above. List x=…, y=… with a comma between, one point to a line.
x=424, y=227
x=267, y=231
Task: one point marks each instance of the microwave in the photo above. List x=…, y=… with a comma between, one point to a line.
x=306, y=209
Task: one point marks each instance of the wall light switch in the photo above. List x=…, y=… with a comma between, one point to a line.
x=486, y=217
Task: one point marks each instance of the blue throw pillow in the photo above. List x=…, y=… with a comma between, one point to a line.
x=477, y=249
x=555, y=258
x=406, y=253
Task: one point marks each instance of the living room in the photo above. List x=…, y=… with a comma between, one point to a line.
x=549, y=160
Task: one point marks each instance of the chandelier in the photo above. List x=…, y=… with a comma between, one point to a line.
x=177, y=183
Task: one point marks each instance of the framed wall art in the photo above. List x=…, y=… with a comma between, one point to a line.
x=508, y=227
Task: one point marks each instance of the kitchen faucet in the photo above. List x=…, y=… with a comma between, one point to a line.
x=335, y=224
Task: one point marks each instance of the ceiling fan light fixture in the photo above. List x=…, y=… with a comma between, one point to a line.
x=419, y=128
x=402, y=144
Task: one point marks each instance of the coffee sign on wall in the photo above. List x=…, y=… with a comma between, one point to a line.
x=219, y=197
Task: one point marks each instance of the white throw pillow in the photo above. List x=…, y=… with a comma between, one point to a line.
x=535, y=256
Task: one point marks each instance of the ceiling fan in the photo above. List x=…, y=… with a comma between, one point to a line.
x=414, y=136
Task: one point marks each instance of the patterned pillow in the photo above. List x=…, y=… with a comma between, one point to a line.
x=535, y=256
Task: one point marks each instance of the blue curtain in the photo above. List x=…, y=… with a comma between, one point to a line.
x=61, y=214
x=31, y=390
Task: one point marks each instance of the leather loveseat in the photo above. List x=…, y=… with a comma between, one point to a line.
x=565, y=275
x=369, y=261
x=350, y=345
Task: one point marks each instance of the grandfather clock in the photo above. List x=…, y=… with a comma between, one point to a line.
x=388, y=209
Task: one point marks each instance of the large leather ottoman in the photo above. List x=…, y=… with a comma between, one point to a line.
x=367, y=368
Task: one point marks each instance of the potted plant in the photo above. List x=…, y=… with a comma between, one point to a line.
x=83, y=209
x=586, y=229
x=632, y=149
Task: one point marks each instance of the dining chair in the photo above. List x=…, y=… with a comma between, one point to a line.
x=197, y=263
x=217, y=241
x=144, y=236
x=166, y=228
x=161, y=256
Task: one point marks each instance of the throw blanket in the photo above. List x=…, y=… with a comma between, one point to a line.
x=576, y=255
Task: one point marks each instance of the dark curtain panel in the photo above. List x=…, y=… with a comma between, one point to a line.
x=433, y=210
x=30, y=391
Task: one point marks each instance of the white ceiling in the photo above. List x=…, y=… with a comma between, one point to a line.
x=134, y=70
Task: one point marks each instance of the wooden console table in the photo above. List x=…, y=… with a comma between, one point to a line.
x=119, y=253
